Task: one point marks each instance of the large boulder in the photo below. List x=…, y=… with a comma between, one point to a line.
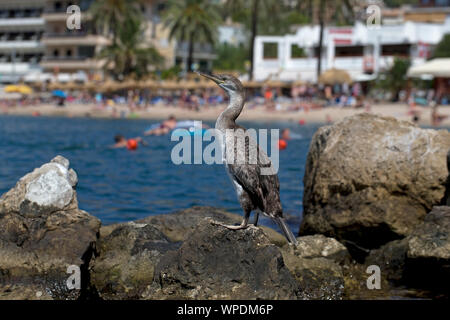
x=126, y=260
x=43, y=233
x=371, y=179
x=217, y=263
x=316, y=265
x=428, y=252
x=178, y=225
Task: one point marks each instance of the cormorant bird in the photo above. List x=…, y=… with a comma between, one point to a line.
x=256, y=191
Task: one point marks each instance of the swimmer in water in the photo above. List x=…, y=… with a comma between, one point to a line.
x=286, y=134
x=122, y=142
x=164, y=128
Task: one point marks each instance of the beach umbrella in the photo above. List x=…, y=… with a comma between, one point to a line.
x=335, y=76
x=148, y=84
x=108, y=86
x=59, y=94
x=439, y=67
x=252, y=84
x=276, y=84
x=22, y=89
x=11, y=88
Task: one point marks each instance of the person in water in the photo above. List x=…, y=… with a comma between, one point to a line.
x=122, y=142
x=163, y=128
x=286, y=134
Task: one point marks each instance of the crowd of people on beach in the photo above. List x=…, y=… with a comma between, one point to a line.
x=301, y=97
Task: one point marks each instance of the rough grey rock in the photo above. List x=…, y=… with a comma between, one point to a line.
x=42, y=233
x=372, y=179
x=391, y=259
x=319, y=246
x=428, y=254
x=126, y=259
x=178, y=225
x=315, y=263
x=431, y=239
x=217, y=263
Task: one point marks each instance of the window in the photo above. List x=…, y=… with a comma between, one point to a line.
x=354, y=51
x=395, y=50
x=86, y=51
x=270, y=50
x=56, y=53
x=297, y=52
x=69, y=53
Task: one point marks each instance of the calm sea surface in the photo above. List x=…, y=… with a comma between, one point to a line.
x=118, y=185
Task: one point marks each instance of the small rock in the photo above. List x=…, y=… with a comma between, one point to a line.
x=315, y=264
x=391, y=259
x=319, y=246
x=428, y=254
x=42, y=233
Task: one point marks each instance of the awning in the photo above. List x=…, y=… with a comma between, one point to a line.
x=439, y=67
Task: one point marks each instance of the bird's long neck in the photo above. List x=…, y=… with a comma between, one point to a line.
x=227, y=118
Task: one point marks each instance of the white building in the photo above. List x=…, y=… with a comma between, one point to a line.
x=360, y=50
x=21, y=28
x=232, y=34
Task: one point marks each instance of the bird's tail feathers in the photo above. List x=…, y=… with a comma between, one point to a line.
x=287, y=232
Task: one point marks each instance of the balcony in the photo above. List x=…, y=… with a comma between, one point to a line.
x=71, y=63
x=21, y=46
x=62, y=16
x=74, y=38
x=21, y=23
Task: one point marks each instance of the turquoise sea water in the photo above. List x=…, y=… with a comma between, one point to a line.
x=119, y=185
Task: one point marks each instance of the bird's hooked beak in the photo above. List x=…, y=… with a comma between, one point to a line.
x=210, y=77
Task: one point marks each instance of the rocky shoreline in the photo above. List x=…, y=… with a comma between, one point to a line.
x=376, y=196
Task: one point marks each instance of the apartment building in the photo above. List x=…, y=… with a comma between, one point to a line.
x=71, y=51
x=21, y=29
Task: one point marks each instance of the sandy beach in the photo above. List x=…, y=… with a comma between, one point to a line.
x=324, y=115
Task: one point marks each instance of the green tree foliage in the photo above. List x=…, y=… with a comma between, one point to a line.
x=126, y=57
x=326, y=11
x=395, y=78
x=443, y=48
x=110, y=15
x=230, y=58
x=258, y=16
x=193, y=21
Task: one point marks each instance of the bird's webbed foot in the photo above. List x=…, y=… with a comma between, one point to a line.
x=232, y=227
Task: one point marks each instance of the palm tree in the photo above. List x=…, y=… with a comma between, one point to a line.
x=192, y=21
x=325, y=11
x=109, y=15
x=258, y=8
x=127, y=56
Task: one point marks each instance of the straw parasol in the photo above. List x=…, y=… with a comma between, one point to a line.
x=128, y=84
x=107, y=86
x=148, y=84
x=298, y=83
x=335, y=76
x=169, y=85
x=276, y=84
x=252, y=84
